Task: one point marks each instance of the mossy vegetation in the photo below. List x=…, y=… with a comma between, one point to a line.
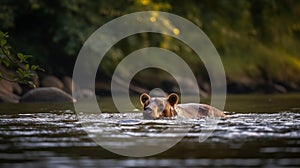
x=258, y=40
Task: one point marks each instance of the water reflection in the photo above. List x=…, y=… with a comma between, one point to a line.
x=240, y=140
x=39, y=135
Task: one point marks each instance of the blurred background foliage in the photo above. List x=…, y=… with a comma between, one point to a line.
x=257, y=40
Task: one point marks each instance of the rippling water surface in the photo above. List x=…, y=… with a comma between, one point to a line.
x=259, y=131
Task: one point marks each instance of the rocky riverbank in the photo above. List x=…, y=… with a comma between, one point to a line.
x=54, y=89
x=50, y=89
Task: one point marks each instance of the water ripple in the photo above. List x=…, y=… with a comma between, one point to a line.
x=261, y=135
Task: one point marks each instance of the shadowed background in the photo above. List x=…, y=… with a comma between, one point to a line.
x=258, y=40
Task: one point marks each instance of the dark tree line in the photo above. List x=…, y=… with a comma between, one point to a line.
x=258, y=40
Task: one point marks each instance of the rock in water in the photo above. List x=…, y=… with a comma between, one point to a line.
x=9, y=91
x=52, y=81
x=46, y=94
x=68, y=84
x=8, y=97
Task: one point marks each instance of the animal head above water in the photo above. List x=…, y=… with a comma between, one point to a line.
x=159, y=107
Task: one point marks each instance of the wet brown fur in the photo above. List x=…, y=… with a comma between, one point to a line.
x=161, y=107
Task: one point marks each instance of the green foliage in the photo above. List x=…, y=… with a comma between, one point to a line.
x=24, y=72
x=258, y=40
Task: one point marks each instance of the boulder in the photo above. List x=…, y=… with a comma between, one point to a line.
x=46, y=94
x=84, y=93
x=8, y=91
x=52, y=81
x=10, y=87
x=68, y=84
x=190, y=87
x=8, y=97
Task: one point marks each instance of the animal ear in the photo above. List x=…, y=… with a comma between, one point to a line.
x=173, y=99
x=144, y=98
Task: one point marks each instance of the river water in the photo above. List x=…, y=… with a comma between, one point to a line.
x=260, y=131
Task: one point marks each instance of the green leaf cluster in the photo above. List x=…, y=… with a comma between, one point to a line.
x=19, y=63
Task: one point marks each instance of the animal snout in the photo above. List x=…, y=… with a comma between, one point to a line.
x=150, y=113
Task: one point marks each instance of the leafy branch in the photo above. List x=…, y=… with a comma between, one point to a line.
x=24, y=71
